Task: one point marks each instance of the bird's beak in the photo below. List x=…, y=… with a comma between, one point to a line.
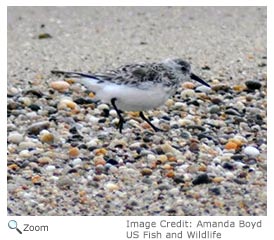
x=196, y=78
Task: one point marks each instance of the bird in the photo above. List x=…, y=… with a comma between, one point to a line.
x=137, y=87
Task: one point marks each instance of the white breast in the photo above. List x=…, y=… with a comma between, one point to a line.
x=134, y=99
x=128, y=98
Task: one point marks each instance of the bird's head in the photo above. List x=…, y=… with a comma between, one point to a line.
x=183, y=69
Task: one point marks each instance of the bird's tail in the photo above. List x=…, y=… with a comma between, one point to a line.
x=74, y=74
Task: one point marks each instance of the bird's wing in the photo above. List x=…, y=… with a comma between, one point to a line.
x=137, y=75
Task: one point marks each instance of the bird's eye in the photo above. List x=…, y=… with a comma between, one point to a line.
x=184, y=69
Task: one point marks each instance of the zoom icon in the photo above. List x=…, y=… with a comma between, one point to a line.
x=13, y=225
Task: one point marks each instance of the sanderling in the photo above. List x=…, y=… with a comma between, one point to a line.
x=137, y=87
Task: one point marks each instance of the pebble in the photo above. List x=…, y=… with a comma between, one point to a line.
x=170, y=174
x=31, y=115
x=112, y=162
x=185, y=122
x=147, y=180
x=164, y=186
x=216, y=100
x=179, y=179
x=103, y=107
x=15, y=137
x=188, y=93
x=146, y=171
x=167, y=166
x=229, y=175
x=99, y=170
x=228, y=166
x=25, y=153
x=151, y=157
x=50, y=168
x=218, y=179
x=13, y=167
x=194, y=147
x=202, y=168
x=113, y=113
x=27, y=144
x=169, y=102
x=36, y=179
x=253, y=84
x=76, y=161
x=234, y=143
x=66, y=103
x=174, y=191
x=251, y=151
x=113, y=169
x=74, y=152
x=26, y=101
x=34, y=92
x=231, y=145
x=203, y=89
x=111, y=186
x=44, y=160
x=162, y=158
x=118, y=142
x=135, y=123
x=93, y=120
x=13, y=91
x=46, y=137
x=188, y=85
x=99, y=160
x=214, y=109
x=201, y=179
x=239, y=88
x=100, y=151
x=135, y=145
x=34, y=107
x=44, y=36
x=64, y=182
x=91, y=95
x=92, y=143
x=36, y=128
x=240, y=106
x=232, y=111
x=179, y=105
x=221, y=87
x=167, y=148
x=237, y=157
x=60, y=86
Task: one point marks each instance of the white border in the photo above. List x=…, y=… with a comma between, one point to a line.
x=138, y=3
x=114, y=227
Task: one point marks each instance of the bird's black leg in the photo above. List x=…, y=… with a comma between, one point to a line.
x=121, y=119
x=144, y=118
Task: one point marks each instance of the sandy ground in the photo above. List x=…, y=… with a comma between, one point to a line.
x=226, y=45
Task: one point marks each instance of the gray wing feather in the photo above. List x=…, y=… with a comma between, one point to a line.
x=137, y=75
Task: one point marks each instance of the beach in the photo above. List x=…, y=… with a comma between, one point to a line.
x=65, y=153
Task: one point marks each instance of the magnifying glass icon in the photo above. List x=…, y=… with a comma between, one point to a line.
x=13, y=225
